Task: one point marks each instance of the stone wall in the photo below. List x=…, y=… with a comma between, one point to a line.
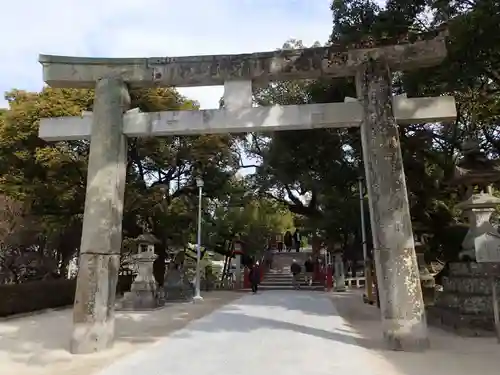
x=465, y=303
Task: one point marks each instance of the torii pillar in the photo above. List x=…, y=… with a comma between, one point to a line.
x=93, y=313
x=377, y=112
x=404, y=324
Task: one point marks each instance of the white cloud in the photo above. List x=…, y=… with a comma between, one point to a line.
x=137, y=28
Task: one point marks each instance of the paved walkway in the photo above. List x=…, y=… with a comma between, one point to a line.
x=37, y=344
x=276, y=332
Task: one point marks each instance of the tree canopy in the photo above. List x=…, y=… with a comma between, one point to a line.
x=305, y=178
x=50, y=178
x=315, y=172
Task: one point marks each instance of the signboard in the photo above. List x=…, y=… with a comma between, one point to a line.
x=487, y=248
x=237, y=247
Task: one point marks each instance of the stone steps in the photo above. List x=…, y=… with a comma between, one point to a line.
x=263, y=287
x=283, y=280
x=267, y=281
x=280, y=277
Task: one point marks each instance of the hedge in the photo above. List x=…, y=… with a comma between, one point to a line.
x=36, y=295
x=47, y=294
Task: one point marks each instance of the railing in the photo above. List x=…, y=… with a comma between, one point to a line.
x=355, y=282
x=350, y=282
x=228, y=283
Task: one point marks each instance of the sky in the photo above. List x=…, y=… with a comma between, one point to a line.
x=138, y=28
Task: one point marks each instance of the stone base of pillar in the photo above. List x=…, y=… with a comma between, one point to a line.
x=339, y=273
x=93, y=313
x=142, y=296
x=403, y=336
x=340, y=284
x=407, y=332
x=143, y=293
x=176, y=287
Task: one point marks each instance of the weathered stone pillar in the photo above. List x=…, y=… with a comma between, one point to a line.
x=339, y=273
x=402, y=308
x=93, y=313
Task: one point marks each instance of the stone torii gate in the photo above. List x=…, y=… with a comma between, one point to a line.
x=376, y=111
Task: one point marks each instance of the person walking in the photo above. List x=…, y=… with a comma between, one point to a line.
x=295, y=269
x=288, y=240
x=296, y=240
x=269, y=258
x=280, y=246
x=254, y=277
x=309, y=270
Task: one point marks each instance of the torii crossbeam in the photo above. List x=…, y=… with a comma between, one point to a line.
x=337, y=60
x=376, y=112
x=260, y=119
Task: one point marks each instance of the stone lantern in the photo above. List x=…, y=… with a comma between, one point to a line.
x=476, y=170
x=468, y=296
x=143, y=293
x=238, y=253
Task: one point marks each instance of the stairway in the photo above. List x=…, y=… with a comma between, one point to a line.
x=282, y=280
x=280, y=277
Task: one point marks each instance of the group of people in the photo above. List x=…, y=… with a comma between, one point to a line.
x=290, y=241
x=296, y=270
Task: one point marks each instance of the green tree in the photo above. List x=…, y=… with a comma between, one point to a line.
x=314, y=172
x=244, y=215
x=50, y=178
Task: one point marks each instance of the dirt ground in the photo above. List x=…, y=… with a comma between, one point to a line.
x=449, y=354
x=38, y=344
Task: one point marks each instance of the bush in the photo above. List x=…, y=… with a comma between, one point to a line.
x=36, y=295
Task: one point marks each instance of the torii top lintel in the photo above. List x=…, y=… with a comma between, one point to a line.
x=260, y=67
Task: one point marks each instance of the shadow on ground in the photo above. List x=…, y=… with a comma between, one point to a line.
x=43, y=339
x=305, y=301
x=449, y=353
x=242, y=323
